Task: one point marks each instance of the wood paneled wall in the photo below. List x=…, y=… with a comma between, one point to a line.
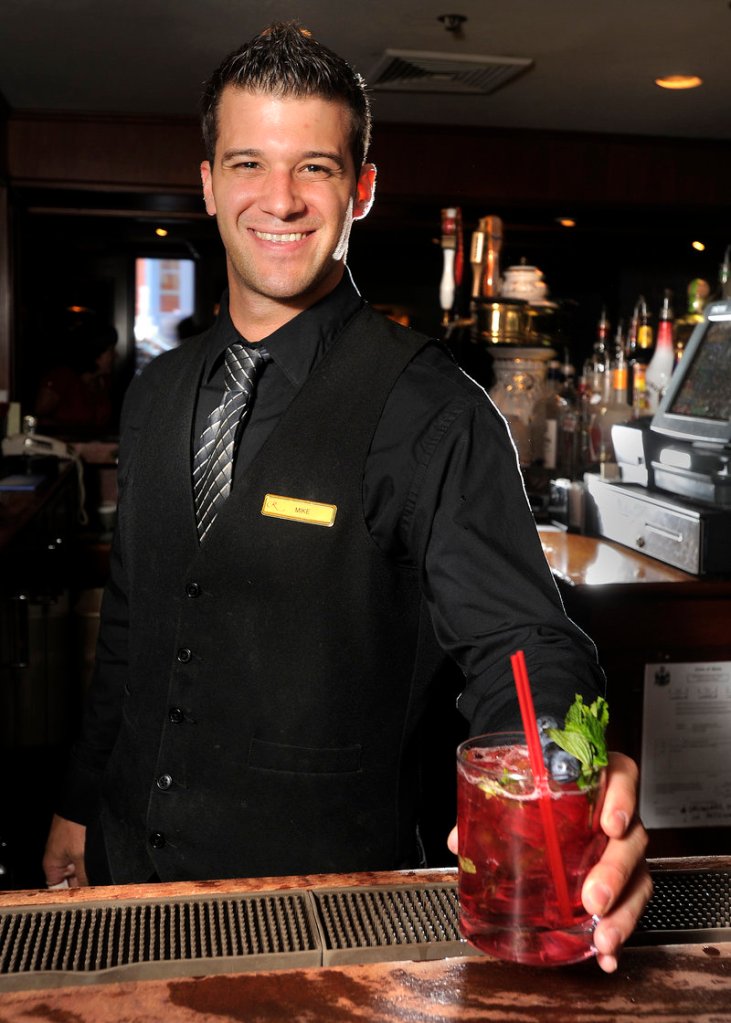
x=472, y=164
x=415, y=162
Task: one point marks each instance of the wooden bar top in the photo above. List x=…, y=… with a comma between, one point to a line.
x=653, y=984
x=578, y=560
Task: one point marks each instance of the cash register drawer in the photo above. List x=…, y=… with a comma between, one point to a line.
x=693, y=539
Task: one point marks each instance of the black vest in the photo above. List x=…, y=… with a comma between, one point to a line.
x=277, y=672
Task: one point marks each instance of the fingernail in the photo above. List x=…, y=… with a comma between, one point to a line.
x=600, y=896
x=622, y=819
x=608, y=963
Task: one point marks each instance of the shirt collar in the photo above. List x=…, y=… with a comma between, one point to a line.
x=299, y=344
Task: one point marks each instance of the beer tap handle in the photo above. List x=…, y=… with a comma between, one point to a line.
x=492, y=228
x=477, y=256
x=449, y=252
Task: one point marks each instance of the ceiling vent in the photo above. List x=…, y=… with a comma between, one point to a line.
x=430, y=72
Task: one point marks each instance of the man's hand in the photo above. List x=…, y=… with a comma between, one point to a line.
x=619, y=887
x=64, y=856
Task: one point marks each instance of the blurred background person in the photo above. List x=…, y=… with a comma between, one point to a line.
x=74, y=397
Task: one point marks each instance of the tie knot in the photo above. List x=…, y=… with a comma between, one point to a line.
x=243, y=365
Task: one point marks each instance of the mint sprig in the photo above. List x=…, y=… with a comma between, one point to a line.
x=583, y=736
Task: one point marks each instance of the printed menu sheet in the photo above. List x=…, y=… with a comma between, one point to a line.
x=686, y=745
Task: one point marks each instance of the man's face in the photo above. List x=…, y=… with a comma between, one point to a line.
x=285, y=193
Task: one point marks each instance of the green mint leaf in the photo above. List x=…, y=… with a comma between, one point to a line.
x=467, y=865
x=584, y=736
x=573, y=743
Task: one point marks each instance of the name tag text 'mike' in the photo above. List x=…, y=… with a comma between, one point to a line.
x=314, y=512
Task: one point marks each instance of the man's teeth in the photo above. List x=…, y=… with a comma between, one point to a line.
x=265, y=236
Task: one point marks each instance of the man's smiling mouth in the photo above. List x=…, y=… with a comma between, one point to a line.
x=293, y=236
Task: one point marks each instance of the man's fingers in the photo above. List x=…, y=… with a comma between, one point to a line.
x=606, y=881
x=616, y=927
x=452, y=841
x=620, y=802
x=63, y=859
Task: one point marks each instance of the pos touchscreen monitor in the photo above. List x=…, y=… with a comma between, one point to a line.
x=696, y=406
x=692, y=426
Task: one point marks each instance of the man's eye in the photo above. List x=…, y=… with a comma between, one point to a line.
x=316, y=169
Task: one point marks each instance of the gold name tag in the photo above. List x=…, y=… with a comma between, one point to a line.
x=291, y=508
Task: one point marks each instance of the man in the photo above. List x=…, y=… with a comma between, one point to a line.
x=262, y=669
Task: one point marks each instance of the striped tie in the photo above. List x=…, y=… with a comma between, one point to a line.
x=213, y=461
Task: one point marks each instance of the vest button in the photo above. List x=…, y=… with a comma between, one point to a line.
x=164, y=782
x=184, y=655
x=193, y=589
x=176, y=715
x=157, y=840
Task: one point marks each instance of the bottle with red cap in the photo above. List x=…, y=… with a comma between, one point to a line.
x=661, y=365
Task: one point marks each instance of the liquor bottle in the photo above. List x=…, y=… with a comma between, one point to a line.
x=698, y=293
x=660, y=366
x=544, y=427
x=618, y=344
x=634, y=323
x=612, y=409
x=600, y=353
x=639, y=354
x=596, y=366
x=722, y=291
x=724, y=277
x=568, y=432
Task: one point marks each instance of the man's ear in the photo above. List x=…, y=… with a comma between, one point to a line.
x=208, y=189
x=365, y=191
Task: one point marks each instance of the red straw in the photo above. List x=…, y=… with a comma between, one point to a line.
x=530, y=727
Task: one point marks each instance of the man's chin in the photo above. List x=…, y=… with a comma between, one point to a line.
x=297, y=292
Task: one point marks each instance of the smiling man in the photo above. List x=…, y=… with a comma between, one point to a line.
x=285, y=191
x=317, y=507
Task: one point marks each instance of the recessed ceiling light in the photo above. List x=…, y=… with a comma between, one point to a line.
x=679, y=82
x=161, y=232
x=566, y=221
x=698, y=246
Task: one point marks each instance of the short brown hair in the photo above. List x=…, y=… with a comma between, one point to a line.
x=285, y=60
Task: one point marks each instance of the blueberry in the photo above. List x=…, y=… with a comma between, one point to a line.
x=544, y=723
x=562, y=766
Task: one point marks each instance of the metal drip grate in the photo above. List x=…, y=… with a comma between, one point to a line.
x=158, y=936
x=389, y=923
x=100, y=941
x=687, y=906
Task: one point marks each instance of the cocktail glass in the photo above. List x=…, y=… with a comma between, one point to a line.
x=510, y=904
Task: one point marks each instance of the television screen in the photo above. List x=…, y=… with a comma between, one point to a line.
x=705, y=386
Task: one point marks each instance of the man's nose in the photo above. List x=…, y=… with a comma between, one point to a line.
x=281, y=196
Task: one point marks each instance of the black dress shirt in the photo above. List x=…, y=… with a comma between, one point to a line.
x=442, y=490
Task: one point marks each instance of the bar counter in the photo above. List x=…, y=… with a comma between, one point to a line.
x=654, y=983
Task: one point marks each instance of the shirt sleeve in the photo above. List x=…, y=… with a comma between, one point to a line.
x=466, y=524
x=80, y=791
x=79, y=797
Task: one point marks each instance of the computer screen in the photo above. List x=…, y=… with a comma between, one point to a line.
x=697, y=404
x=705, y=388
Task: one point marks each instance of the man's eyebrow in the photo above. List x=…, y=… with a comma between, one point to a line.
x=229, y=154
x=315, y=154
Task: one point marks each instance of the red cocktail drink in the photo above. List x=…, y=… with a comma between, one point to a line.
x=509, y=905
